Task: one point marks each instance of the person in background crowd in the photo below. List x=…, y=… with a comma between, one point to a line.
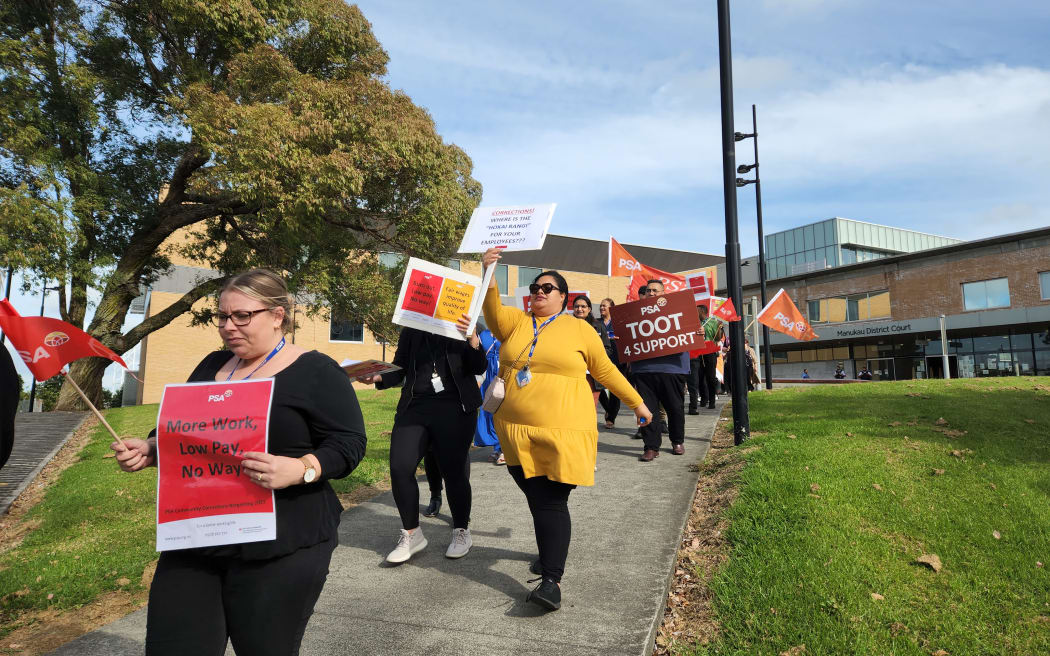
x=10, y=390
x=547, y=422
x=751, y=364
x=840, y=373
x=709, y=361
x=485, y=434
x=437, y=409
x=609, y=401
x=433, y=474
x=661, y=380
x=865, y=374
x=581, y=309
x=805, y=374
x=260, y=595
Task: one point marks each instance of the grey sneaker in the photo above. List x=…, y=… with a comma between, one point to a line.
x=408, y=544
x=460, y=544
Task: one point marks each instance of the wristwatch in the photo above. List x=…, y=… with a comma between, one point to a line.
x=310, y=475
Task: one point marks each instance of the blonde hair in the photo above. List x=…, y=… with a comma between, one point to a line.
x=266, y=287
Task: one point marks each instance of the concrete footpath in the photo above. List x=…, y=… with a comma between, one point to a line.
x=626, y=531
x=38, y=437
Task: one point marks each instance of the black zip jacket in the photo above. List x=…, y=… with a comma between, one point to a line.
x=463, y=361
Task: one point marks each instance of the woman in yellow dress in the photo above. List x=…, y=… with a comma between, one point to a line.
x=547, y=424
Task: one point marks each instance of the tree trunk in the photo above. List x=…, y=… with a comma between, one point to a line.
x=88, y=374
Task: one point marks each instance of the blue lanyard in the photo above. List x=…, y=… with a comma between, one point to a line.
x=536, y=332
x=275, y=351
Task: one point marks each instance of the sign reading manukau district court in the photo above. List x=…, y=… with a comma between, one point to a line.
x=204, y=495
x=656, y=326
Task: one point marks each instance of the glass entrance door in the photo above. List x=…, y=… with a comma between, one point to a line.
x=880, y=368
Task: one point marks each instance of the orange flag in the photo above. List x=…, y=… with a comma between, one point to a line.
x=622, y=263
x=781, y=315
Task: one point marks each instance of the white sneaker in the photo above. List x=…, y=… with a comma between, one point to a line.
x=408, y=544
x=460, y=544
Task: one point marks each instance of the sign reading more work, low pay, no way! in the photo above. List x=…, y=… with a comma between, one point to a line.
x=513, y=228
x=656, y=326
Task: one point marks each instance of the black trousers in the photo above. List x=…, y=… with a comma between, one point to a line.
x=196, y=602
x=433, y=472
x=437, y=424
x=609, y=401
x=694, y=383
x=665, y=390
x=709, y=377
x=549, y=504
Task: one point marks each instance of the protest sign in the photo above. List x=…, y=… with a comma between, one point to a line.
x=360, y=368
x=516, y=228
x=656, y=326
x=522, y=298
x=700, y=285
x=433, y=297
x=204, y=495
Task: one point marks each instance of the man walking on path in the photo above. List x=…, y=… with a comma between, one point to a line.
x=709, y=361
x=661, y=381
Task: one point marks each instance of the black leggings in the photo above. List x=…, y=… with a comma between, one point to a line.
x=433, y=473
x=439, y=425
x=609, y=401
x=197, y=601
x=549, y=505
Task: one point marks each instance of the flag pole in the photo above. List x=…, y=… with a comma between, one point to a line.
x=94, y=409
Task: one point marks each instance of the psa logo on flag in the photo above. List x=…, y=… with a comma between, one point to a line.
x=56, y=338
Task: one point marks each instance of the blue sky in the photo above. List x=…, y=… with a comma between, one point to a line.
x=932, y=115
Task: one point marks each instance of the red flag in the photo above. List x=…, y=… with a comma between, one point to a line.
x=46, y=345
x=637, y=281
x=781, y=315
x=725, y=310
x=622, y=263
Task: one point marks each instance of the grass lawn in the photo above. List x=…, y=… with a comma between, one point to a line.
x=95, y=526
x=845, y=487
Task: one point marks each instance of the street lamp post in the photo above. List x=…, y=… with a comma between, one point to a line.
x=32, y=386
x=741, y=422
x=7, y=295
x=767, y=360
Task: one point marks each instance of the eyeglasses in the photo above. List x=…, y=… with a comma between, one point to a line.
x=581, y=306
x=546, y=287
x=240, y=317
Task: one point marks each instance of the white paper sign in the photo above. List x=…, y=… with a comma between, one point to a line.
x=433, y=297
x=517, y=228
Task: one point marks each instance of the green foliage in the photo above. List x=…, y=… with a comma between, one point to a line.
x=112, y=399
x=264, y=128
x=891, y=485
x=96, y=524
x=47, y=392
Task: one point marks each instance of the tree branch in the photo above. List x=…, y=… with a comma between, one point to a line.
x=165, y=316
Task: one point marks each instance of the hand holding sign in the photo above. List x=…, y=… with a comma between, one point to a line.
x=275, y=472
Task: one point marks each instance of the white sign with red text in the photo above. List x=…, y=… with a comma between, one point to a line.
x=512, y=228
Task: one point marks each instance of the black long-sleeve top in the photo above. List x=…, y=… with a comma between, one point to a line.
x=314, y=410
x=458, y=361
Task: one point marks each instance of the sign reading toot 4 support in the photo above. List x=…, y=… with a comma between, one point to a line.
x=656, y=326
x=516, y=228
x=433, y=297
x=204, y=495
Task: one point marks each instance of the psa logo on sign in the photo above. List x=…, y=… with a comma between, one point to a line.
x=216, y=398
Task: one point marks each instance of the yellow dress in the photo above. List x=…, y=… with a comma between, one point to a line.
x=549, y=427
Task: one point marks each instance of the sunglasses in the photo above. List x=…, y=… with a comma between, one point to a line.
x=546, y=288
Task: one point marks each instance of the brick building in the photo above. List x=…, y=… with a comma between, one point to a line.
x=169, y=355
x=884, y=313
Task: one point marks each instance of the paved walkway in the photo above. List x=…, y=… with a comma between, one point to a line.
x=626, y=531
x=38, y=437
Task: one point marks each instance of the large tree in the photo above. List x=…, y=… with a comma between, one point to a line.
x=264, y=128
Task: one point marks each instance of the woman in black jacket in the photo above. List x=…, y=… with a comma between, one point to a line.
x=438, y=411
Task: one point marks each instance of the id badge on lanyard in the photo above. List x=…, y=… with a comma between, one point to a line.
x=524, y=376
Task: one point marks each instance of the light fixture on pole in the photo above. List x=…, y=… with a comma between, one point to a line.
x=737, y=371
x=767, y=360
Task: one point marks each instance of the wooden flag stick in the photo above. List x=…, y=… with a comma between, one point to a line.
x=95, y=410
x=748, y=327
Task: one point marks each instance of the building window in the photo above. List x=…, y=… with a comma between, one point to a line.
x=986, y=294
x=527, y=274
x=390, y=260
x=855, y=307
x=345, y=330
x=501, y=279
x=453, y=264
x=1044, y=285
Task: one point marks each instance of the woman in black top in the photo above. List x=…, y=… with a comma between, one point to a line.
x=261, y=594
x=438, y=411
x=581, y=309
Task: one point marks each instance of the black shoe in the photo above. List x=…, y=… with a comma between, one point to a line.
x=433, y=508
x=546, y=595
x=712, y=405
x=694, y=411
x=663, y=429
x=536, y=568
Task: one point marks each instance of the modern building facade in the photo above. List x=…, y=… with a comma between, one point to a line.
x=169, y=355
x=884, y=313
x=837, y=241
